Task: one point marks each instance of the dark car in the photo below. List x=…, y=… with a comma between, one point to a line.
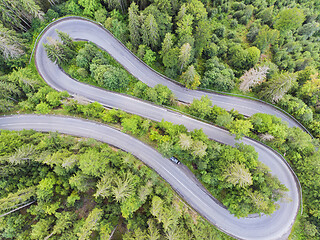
x=175, y=160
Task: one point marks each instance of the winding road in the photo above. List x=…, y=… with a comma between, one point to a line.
x=276, y=226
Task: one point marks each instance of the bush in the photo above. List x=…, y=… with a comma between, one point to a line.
x=42, y=108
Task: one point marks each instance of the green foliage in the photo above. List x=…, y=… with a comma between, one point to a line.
x=129, y=187
x=266, y=37
x=90, y=6
x=134, y=24
x=109, y=76
x=190, y=78
x=278, y=86
x=60, y=53
x=201, y=108
x=16, y=86
x=310, y=92
x=289, y=19
x=297, y=108
x=240, y=128
x=150, y=32
x=91, y=224
x=43, y=108
x=242, y=59
x=12, y=46
x=116, y=25
x=218, y=76
x=149, y=57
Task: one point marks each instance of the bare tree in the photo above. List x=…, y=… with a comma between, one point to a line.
x=253, y=77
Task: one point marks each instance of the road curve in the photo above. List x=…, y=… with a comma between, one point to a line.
x=266, y=227
x=81, y=29
x=245, y=228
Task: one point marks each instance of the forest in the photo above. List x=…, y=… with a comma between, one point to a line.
x=263, y=49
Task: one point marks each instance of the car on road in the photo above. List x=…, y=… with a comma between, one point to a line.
x=175, y=160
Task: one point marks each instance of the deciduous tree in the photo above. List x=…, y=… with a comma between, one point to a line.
x=190, y=78
x=289, y=19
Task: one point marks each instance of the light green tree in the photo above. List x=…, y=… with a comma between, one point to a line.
x=199, y=148
x=266, y=37
x=41, y=229
x=278, y=86
x=91, y=224
x=43, y=108
x=185, y=26
x=201, y=108
x=240, y=128
x=185, y=54
x=167, y=44
x=190, y=78
x=238, y=174
x=123, y=187
x=289, y=19
x=185, y=141
x=149, y=57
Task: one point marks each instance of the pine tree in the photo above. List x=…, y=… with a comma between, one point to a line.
x=203, y=35
x=184, y=26
x=150, y=32
x=278, y=86
x=16, y=199
x=167, y=44
x=157, y=206
x=89, y=6
x=104, y=185
x=117, y=4
x=11, y=46
x=19, y=13
x=199, y=148
x=22, y=155
x=134, y=24
x=91, y=224
x=123, y=187
x=258, y=200
x=153, y=231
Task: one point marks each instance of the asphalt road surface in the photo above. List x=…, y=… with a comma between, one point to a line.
x=276, y=226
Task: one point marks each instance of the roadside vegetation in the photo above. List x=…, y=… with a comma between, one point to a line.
x=73, y=198
x=265, y=49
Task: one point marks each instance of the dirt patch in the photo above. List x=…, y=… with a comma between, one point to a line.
x=88, y=204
